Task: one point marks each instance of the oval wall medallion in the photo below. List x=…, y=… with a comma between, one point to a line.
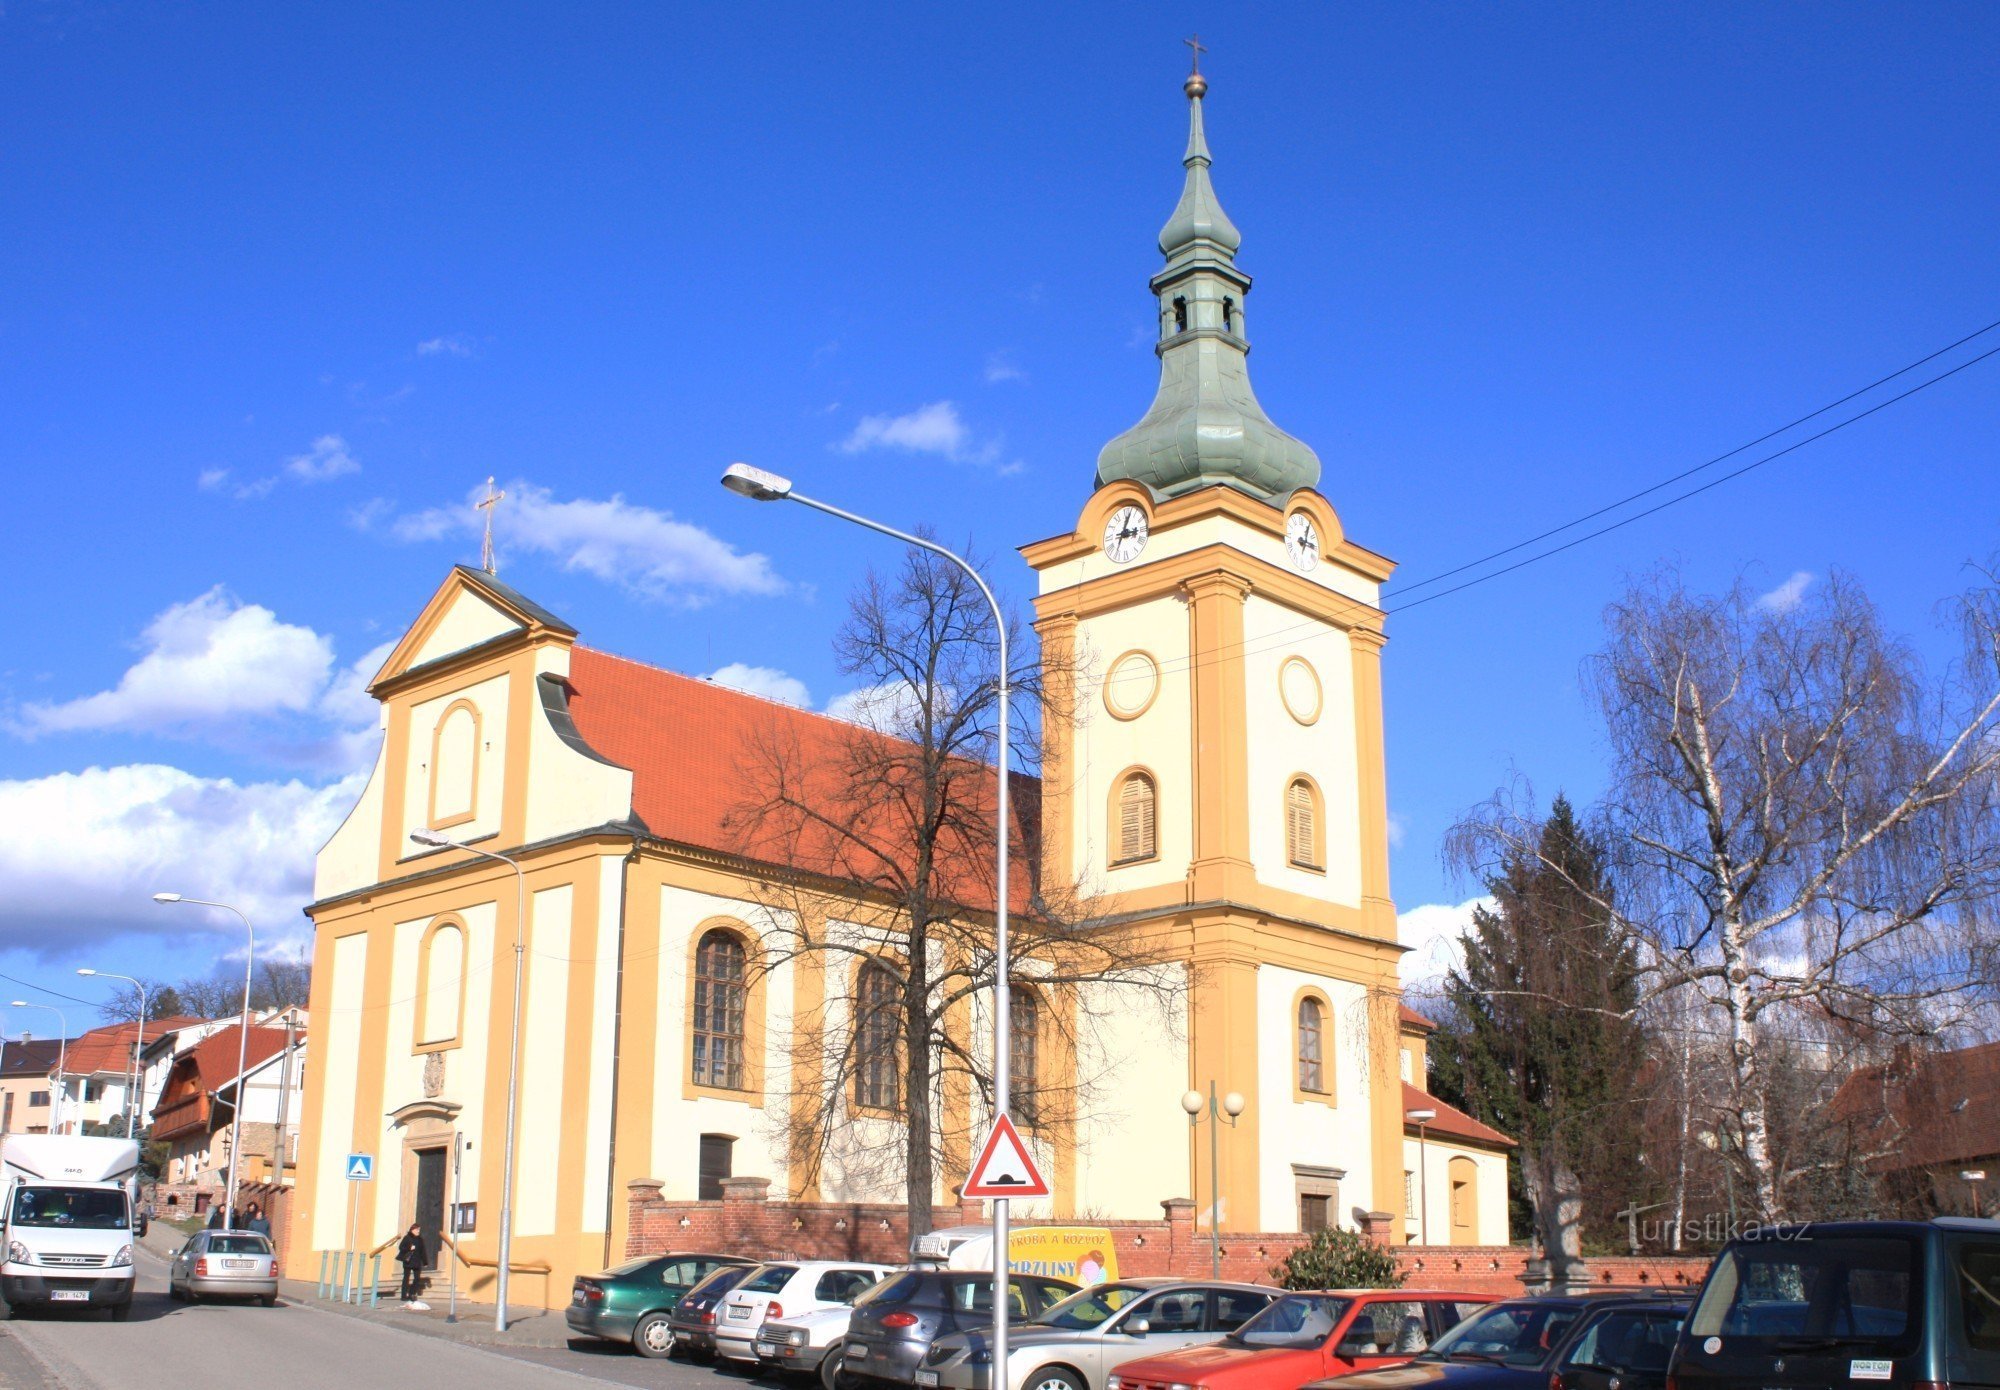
x=1131, y=685
x=1298, y=687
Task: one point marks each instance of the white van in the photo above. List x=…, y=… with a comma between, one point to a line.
x=69, y=1221
x=1083, y=1255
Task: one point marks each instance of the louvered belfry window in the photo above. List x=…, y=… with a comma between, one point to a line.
x=1137, y=819
x=1301, y=825
x=718, y=1011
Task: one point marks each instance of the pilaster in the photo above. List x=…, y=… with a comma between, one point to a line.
x=1221, y=868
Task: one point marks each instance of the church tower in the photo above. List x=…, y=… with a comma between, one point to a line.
x=1213, y=769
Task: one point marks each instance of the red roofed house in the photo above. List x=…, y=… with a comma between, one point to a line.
x=1214, y=783
x=98, y=1082
x=1921, y=1120
x=1454, y=1167
x=198, y=1114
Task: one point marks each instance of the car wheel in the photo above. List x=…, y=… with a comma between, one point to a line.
x=1054, y=1378
x=829, y=1366
x=652, y=1336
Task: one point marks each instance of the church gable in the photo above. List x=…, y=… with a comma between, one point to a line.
x=471, y=611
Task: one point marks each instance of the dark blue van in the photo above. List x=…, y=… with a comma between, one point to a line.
x=1848, y=1305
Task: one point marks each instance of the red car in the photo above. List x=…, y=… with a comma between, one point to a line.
x=1306, y=1336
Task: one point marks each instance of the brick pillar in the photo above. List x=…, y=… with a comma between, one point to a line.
x=642, y=1198
x=743, y=1200
x=1180, y=1236
x=1379, y=1226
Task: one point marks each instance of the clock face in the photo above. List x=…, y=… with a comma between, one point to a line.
x=1125, y=534
x=1301, y=541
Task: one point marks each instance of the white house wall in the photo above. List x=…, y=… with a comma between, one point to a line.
x=1134, y=1066
x=567, y=790
x=1310, y=1132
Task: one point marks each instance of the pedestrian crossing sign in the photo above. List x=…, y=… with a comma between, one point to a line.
x=360, y=1167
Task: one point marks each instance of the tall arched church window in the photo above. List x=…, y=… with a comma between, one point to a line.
x=1302, y=843
x=443, y=972
x=1024, y=1041
x=719, y=995
x=1312, y=1045
x=1137, y=830
x=455, y=766
x=875, y=1050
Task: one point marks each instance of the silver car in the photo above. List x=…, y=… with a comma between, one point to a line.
x=224, y=1264
x=1078, y=1343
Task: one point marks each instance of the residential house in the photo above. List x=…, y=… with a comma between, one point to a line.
x=1922, y=1121
x=24, y=1085
x=198, y=1113
x=100, y=1075
x=1454, y=1167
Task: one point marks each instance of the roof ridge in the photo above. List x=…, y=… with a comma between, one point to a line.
x=712, y=684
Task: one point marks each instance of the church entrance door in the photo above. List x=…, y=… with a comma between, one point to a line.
x=430, y=1200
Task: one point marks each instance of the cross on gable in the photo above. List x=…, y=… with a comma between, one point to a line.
x=486, y=504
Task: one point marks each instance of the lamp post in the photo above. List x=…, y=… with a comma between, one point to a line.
x=760, y=486
x=1973, y=1177
x=1231, y=1105
x=1420, y=1118
x=437, y=841
x=138, y=1048
x=242, y=1041
x=62, y=1064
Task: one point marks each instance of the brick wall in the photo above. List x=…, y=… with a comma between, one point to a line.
x=744, y=1222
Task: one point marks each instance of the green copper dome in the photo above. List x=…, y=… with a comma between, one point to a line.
x=1205, y=426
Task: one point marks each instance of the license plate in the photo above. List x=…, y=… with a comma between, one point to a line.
x=927, y=1377
x=239, y=1264
x=739, y=1315
x=69, y=1295
x=764, y=1349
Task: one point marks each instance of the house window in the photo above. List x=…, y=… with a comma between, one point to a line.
x=1136, y=830
x=1313, y=1211
x=1302, y=847
x=1312, y=1032
x=1409, y=1193
x=1317, y=1192
x=718, y=1157
x=38, y=1100
x=1024, y=1012
x=875, y=1050
x=718, y=1011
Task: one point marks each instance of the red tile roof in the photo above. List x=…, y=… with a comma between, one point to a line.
x=204, y=1069
x=1451, y=1122
x=1926, y=1109
x=1410, y=1018
x=109, y=1049
x=701, y=753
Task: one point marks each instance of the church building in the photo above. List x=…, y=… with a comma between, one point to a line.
x=1213, y=776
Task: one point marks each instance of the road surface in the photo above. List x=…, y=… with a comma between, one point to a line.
x=242, y=1346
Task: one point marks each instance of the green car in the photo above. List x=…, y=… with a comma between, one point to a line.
x=633, y=1302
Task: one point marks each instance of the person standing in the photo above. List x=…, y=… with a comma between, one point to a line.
x=412, y=1255
x=259, y=1223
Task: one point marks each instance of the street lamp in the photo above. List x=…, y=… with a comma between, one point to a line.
x=138, y=1048
x=1974, y=1176
x=760, y=486
x=1420, y=1118
x=62, y=1064
x=434, y=840
x=1232, y=1106
x=242, y=1040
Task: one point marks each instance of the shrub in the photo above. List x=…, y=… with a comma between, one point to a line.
x=1337, y=1259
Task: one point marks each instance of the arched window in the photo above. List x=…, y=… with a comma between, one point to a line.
x=1180, y=313
x=875, y=1050
x=442, y=971
x=455, y=766
x=1136, y=831
x=719, y=996
x=1302, y=845
x=1024, y=1013
x=1312, y=1045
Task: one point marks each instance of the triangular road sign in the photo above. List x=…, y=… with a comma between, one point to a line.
x=1005, y=1168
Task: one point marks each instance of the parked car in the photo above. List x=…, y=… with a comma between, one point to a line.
x=635, y=1302
x=1592, y=1341
x=1841, y=1302
x=224, y=1264
x=785, y=1289
x=893, y=1328
x=693, y=1319
x=1079, y=1342
x=811, y=1344
x=1305, y=1336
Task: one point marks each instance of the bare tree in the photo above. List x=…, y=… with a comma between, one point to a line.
x=888, y=825
x=1805, y=825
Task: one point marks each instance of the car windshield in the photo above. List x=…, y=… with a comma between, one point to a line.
x=1513, y=1334
x=238, y=1245
x=1297, y=1321
x=1082, y=1311
x=718, y=1283
x=1808, y=1292
x=771, y=1279
x=95, y=1208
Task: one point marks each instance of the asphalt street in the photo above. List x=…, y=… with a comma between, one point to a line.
x=299, y=1347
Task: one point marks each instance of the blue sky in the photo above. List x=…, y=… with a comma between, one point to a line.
x=281, y=286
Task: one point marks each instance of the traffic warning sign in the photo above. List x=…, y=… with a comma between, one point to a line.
x=1005, y=1167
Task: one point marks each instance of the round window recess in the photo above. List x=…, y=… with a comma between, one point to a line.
x=1131, y=684
x=1298, y=687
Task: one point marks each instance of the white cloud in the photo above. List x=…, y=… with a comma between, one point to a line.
x=1788, y=595
x=936, y=428
x=638, y=548
x=327, y=459
x=887, y=709
x=1432, y=932
x=88, y=849
x=767, y=681
x=211, y=479
x=449, y=344
x=210, y=660
x=1000, y=367
x=1399, y=830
